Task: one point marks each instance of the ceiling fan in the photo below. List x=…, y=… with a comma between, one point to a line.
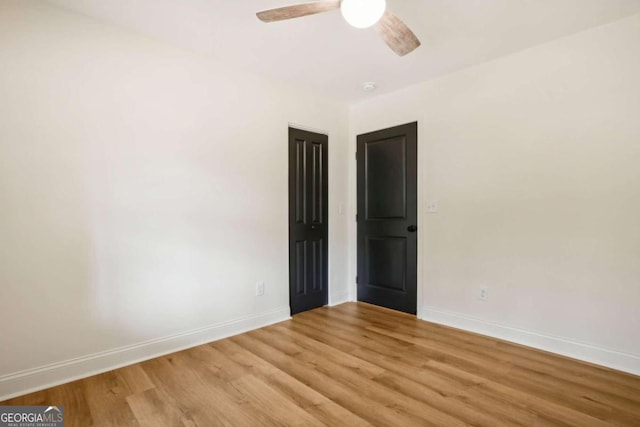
x=358, y=13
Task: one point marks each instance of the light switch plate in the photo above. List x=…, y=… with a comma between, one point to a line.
x=259, y=289
x=432, y=206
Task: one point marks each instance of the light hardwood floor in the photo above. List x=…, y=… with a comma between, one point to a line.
x=351, y=365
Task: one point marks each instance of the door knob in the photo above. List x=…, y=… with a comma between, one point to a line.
x=412, y=228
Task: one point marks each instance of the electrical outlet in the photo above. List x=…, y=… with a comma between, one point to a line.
x=483, y=295
x=259, y=289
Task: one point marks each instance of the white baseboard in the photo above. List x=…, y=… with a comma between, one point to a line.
x=589, y=353
x=338, y=298
x=28, y=381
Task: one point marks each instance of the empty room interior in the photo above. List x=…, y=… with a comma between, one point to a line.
x=331, y=212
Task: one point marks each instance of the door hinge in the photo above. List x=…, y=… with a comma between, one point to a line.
x=356, y=155
x=356, y=217
x=356, y=280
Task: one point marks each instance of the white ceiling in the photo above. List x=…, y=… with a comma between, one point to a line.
x=324, y=53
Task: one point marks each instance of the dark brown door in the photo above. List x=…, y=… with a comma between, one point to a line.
x=308, y=225
x=387, y=217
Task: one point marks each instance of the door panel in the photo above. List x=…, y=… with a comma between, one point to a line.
x=308, y=226
x=386, y=258
x=299, y=267
x=385, y=183
x=317, y=277
x=316, y=183
x=299, y=199
x=387, y=217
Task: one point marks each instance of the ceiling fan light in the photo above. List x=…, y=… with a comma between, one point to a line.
x=362, y=13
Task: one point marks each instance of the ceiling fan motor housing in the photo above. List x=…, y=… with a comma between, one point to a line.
x=362, y=13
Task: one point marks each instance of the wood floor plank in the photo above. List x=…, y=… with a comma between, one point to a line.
x=368, y=378
x=353, y=365
x=504, y=373
x=354, y=397
x=411, y=365
x=542, y=407
x=552, y=363
x=279, y=407
x=154, y=408
x=203, y=390
x=134, y=378
x=106, y=398
x=302, y=395
x=404, y=384
x=612, y=401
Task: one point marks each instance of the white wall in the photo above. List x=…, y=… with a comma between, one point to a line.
x=534, y=160
x=143, y=192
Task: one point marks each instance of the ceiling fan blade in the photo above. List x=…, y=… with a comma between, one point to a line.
x=396, y=34
x=297, y=11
